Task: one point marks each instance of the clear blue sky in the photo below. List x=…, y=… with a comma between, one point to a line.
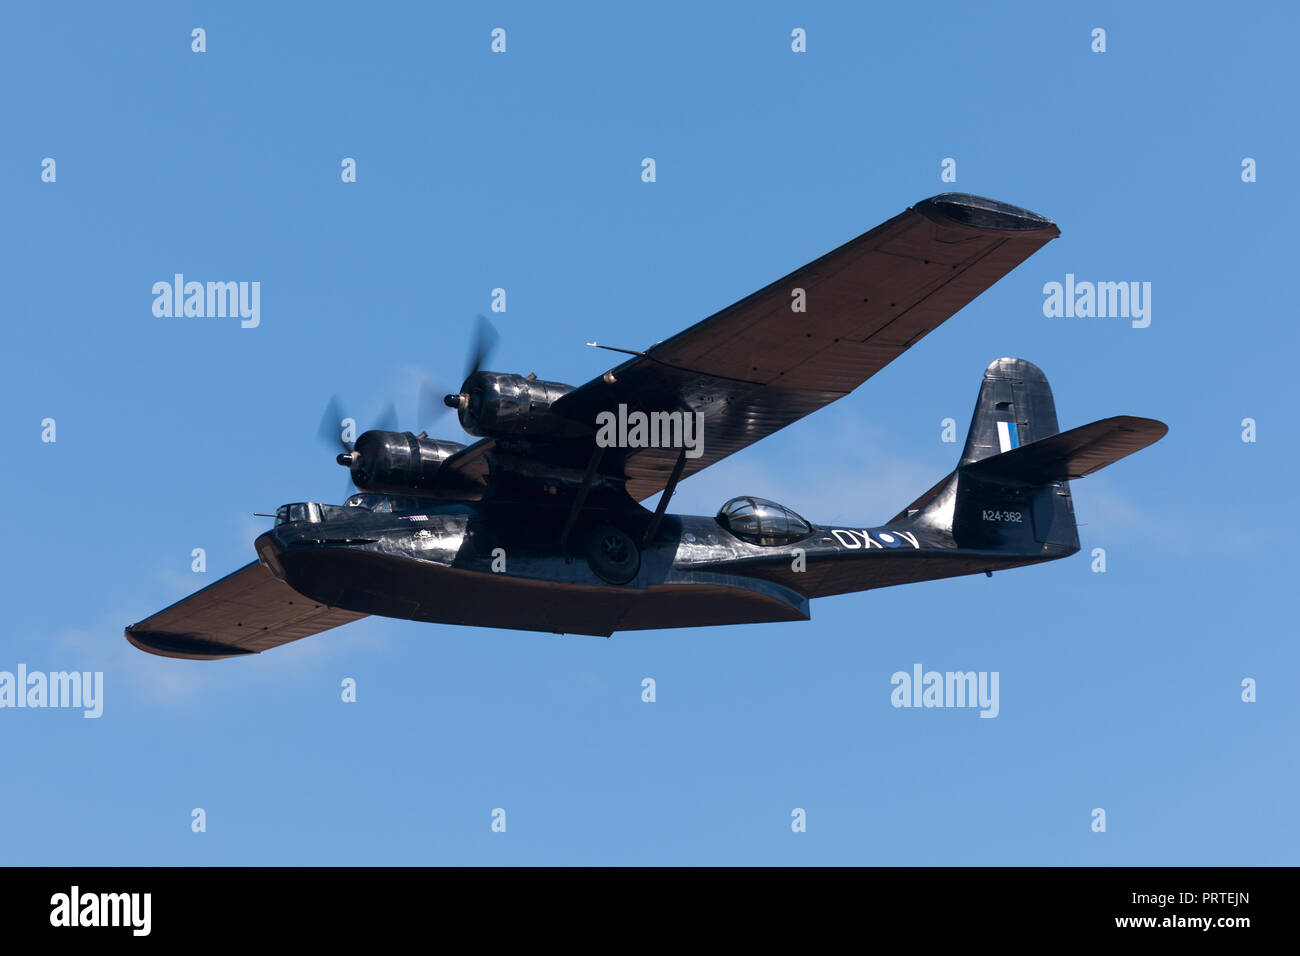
x=1118, y=690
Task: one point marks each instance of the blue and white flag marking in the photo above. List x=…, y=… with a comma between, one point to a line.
x=1008, y=436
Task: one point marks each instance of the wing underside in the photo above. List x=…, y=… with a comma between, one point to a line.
x=246, y=612
x=815, y=335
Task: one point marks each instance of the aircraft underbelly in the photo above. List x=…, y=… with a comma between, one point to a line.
x=401, y=586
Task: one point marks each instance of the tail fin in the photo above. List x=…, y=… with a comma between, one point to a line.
x=1010, y=491
x=1014, y=408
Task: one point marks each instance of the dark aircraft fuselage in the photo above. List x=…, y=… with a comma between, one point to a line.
x=538, y=524
x=500, y=565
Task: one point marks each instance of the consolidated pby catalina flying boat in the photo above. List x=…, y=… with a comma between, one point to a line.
x=538, y=525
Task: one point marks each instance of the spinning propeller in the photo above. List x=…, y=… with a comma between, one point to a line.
x=432, y=404
x=485, y=340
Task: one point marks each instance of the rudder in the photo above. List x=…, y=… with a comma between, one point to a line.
x=1015, y=407
x=1010, y=493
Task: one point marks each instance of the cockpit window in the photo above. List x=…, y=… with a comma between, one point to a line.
x=299, y=511
x=764, y=522
x=387, y=504
x=370, y=502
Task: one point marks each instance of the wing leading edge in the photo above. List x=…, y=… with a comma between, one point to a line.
x=759, y=365
x=246, y=612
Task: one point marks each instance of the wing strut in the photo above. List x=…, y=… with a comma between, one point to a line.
x=581, y=497
x=653, y=527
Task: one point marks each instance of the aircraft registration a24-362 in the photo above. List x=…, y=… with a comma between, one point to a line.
x=537, y=526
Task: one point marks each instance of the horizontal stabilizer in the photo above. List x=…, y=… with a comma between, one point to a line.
x=1072, y=454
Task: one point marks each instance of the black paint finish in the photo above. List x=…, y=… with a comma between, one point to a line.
x=536, y=528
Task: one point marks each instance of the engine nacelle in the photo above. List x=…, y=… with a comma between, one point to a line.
x=397, y=462
x=493, y=404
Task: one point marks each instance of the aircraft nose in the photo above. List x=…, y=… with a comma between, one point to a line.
x=269, y=548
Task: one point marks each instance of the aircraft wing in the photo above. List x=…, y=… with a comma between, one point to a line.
x=246, y=612
x=760, y=364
